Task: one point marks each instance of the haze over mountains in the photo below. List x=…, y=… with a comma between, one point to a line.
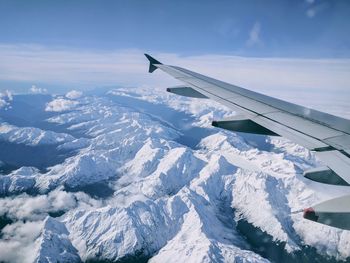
x=138, y=174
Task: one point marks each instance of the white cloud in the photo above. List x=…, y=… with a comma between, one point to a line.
x=18, y=242
x=74, y=94
x=8, y=94
x=129, y=68
x=311, y=12
x=36, y=90
x=5, y=99
x=35, y=208
x=315, y=8
x=254, y=35
x=25, y=207
x=3, y=103
x=61, y=104
x=320, y=83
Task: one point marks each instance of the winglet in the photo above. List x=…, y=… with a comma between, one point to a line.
x=152, y=63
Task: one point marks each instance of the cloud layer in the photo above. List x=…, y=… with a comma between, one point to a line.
x=323, y=83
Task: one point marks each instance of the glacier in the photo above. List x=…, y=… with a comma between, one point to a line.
x=140, y=175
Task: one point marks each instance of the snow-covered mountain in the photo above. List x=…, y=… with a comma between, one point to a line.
x=137, y=175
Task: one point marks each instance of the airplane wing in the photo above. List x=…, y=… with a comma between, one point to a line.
x=334, y=212
x=327, y=135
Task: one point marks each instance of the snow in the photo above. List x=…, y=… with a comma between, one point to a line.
x=170, y=202
x=54, y=244
x=32, y=136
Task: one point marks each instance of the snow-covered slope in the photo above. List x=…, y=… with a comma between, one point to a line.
x=163, y=185
x=54, y=244
x=32, y=136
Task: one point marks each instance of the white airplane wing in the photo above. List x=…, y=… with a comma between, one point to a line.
x=327, y=135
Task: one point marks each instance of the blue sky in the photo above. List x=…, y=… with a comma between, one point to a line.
x=312, y=28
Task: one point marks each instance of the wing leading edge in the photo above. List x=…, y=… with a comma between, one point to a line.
x=327, y=135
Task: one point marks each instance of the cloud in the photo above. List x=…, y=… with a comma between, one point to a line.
x=311, y=12
x=319, y=83
x=254, y=35
x=91, y=68
x=5, y=99
x=74, y=94
x=36, y=90
x=18, y=241
x=61, y=104
x=315, y=8
x=8, y=94
x=25, y=207
x=3, y=103
x=36, y=208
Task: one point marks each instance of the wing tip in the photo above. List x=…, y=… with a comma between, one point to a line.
x=310, y=214
x=152, y=63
